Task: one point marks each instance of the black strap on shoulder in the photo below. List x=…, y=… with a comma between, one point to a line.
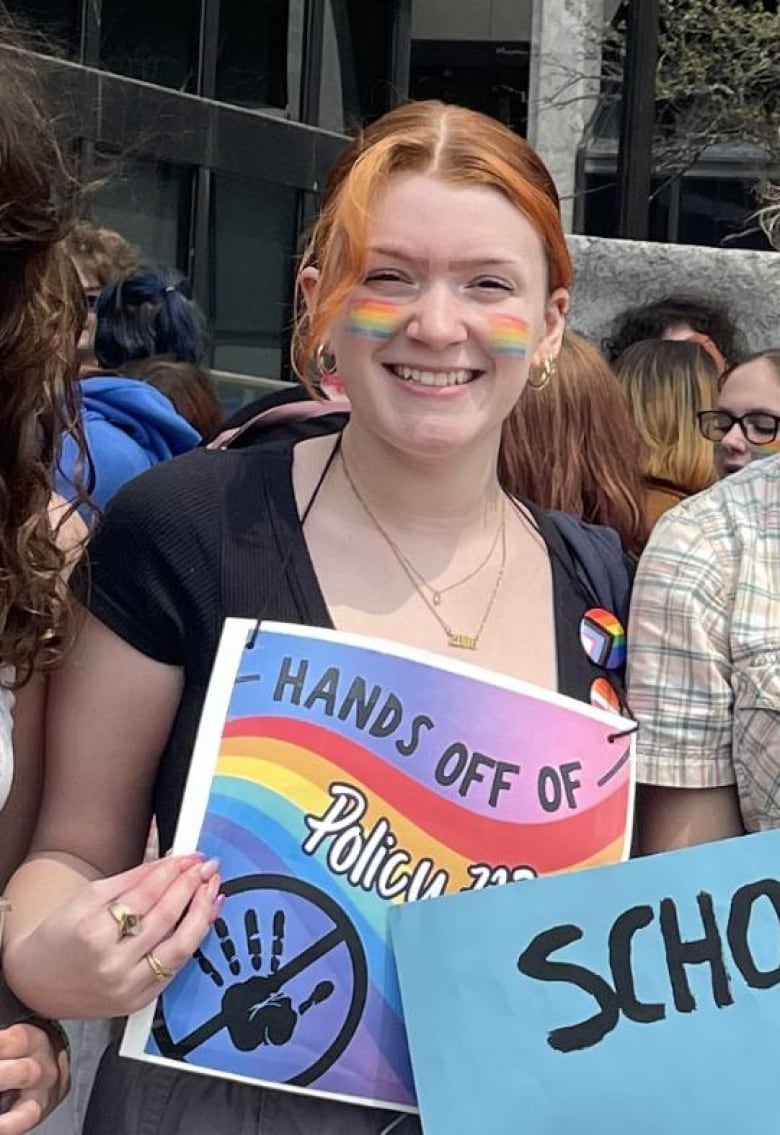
x=290, y=549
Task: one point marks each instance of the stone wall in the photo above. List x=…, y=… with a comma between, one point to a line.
x=612, y=275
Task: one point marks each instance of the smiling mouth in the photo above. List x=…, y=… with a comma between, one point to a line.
x=422, y=377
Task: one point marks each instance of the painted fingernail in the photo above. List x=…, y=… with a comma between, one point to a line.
x=209, y=868
x=212, y=890
x=218, y=903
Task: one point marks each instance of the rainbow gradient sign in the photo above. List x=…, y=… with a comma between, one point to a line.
x=336, y=777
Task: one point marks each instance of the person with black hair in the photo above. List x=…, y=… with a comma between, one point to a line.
x=129, y=425
x=679, y=316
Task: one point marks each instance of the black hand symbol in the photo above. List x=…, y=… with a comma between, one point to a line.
x=273, y=1017
x=256, y=1011
x=257, y=1014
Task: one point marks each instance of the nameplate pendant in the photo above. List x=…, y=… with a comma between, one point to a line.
x=462, y=641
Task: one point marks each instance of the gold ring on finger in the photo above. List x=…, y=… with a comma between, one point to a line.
x=157, y=968
x=129, y=923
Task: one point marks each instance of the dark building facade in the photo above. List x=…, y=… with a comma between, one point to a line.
x=208, y=128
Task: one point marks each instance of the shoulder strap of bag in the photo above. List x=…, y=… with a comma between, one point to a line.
x=278, y=413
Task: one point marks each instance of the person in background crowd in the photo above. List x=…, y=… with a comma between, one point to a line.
x=101, y=256
x=666, y=384
x=744, y=424
x=188, y=387
x=704, y=665
x=704, y=648
x=455, y=242
x=593, y=471
x=680, y=316
x=39, y=538
x=130, y=426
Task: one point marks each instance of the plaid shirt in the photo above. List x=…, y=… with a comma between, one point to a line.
x=704, y=644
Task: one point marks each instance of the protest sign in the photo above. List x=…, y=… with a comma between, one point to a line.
x=335, y=777
x=643, y=997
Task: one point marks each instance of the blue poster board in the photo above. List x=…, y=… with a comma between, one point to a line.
x=641, y=998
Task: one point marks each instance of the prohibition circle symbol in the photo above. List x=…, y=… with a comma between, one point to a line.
x=342, y=933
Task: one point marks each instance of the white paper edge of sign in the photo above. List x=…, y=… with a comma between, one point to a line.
x=196, y=794
x=204, y=759
x=269, y=1085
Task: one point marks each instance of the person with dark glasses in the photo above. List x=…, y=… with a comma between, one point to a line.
x=746, y=422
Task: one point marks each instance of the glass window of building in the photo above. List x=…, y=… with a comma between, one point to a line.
x=252, y=53
x=599, y=204
x=151, y=40
x=58, y=20
x=720, y=211
x=149, y=203
x=357, y=62
x=489, y=76
x=253, y=234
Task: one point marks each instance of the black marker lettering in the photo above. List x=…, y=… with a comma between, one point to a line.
x=737, y=931
x=707, y=950
x=363, y=705
x=535, y=962
x=286, y=678
x=620, y=940
x=419, y=722
x=325, y=691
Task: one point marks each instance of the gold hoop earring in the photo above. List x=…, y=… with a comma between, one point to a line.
x=325, y=361
x=545, y=373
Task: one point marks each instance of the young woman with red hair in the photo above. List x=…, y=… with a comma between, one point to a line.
x=436, y=280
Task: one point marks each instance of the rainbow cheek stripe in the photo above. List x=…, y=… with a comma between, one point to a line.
x=508, y=336
x=771, y=449
x=375, y=319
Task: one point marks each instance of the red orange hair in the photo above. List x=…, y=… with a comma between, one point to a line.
x=460, y=146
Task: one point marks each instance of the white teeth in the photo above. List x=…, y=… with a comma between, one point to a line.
x=434, y=377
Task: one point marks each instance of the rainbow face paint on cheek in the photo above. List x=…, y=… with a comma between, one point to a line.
x=508, y=335
x=771, y=449
x=375, y=319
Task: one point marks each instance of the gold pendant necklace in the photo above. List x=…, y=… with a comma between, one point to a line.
x=435, y=593
x=456, y=640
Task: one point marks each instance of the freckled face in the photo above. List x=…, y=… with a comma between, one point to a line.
x=435, y=343
x=751, y=388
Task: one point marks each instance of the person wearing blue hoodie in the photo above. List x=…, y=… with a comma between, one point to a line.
x=128, y=425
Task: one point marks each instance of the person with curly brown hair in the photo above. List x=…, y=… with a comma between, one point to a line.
x=41, y=312
x=101, y=257
x=680, y=316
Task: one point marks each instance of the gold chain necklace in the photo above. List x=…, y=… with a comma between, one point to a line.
x=421, y=582
x=436, y=593
x=454, y=639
